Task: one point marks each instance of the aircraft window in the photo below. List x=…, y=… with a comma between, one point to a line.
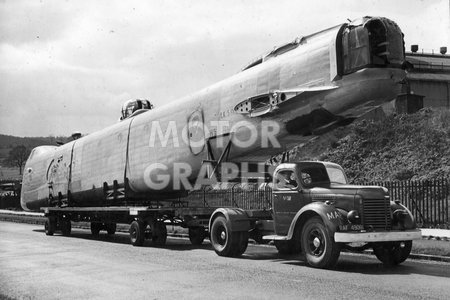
x=131, y=106
x=386, y=48
x=356, y=50
x=286, y=179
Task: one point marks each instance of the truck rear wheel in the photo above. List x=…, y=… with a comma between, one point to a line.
x=393, y=253
x=224, y=241
x=242, y=243
x=197, y=235
x=159, y=233
x=284, y=247
x=137, y=234
x=317, y=244
x=50, y=226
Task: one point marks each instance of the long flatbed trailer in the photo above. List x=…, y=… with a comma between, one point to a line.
x=309, y=207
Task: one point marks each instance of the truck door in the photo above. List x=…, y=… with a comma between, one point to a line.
x=288, y=199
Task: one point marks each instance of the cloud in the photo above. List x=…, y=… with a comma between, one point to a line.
x=69, y=65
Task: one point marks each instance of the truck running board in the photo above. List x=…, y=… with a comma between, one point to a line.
x=275, y=237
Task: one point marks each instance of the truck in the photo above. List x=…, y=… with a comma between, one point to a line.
x=307, y=207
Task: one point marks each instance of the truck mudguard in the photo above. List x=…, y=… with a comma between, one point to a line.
x=402, y=217
x=331, y=216
x=236, y=218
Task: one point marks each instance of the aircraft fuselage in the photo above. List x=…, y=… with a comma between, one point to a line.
x=318, y=79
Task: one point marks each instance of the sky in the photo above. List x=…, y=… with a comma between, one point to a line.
x=68, y=66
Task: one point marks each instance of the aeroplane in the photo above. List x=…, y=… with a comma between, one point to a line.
x=307, y=86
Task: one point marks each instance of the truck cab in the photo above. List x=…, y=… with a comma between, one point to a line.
x=298, y=184
x=315, y=211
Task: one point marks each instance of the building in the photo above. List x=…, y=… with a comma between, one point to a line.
x=430, y=77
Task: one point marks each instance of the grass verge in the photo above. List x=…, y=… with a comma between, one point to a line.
x=431, y=247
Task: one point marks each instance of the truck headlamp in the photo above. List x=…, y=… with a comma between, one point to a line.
x=353, y=216
x=399, y=215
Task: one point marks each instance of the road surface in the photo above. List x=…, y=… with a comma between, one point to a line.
x=36, y=266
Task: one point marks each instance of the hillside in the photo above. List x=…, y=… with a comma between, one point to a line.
x=401, y=147
x=7, y=142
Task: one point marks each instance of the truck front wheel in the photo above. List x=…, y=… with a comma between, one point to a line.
x=226, y=242
x=318, y=246
x=393, y=253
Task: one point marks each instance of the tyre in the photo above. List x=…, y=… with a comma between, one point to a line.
x=224, y=241
x=50, y=226
x=66, y=226
x=284, y=247
x=95, y=228
x=242, y=243
x=159, y=234
x=197, y=235
x=318, y=245
x=394, y=253
x=111, y=228
x=137, y=233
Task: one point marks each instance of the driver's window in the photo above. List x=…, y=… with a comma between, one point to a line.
x=286, y=179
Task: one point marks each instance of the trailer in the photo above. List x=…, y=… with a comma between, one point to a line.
x=307, y=207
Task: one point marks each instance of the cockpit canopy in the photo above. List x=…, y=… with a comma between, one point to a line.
x=372, y=42
x=134, y=107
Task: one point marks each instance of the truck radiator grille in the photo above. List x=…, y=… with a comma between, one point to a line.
x=377, y=214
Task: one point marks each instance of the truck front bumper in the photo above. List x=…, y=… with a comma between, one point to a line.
x=386, y=236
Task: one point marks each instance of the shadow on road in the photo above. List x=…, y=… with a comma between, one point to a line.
x=370, y=265
x=348, y=263
x=173, y=243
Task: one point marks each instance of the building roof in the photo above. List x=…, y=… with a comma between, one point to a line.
x=429, y=76
x=429, y=62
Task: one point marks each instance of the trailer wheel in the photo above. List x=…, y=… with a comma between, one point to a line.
x=391, y=254
x=137, y=234
x=197, y=235
x=66, y=226
x=50, y=226
x=159, y=233
x=318, y=245
x=95, y=228
x=224, y=241
x=111, y=228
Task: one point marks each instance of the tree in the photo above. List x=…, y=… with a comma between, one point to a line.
x=18, y=156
